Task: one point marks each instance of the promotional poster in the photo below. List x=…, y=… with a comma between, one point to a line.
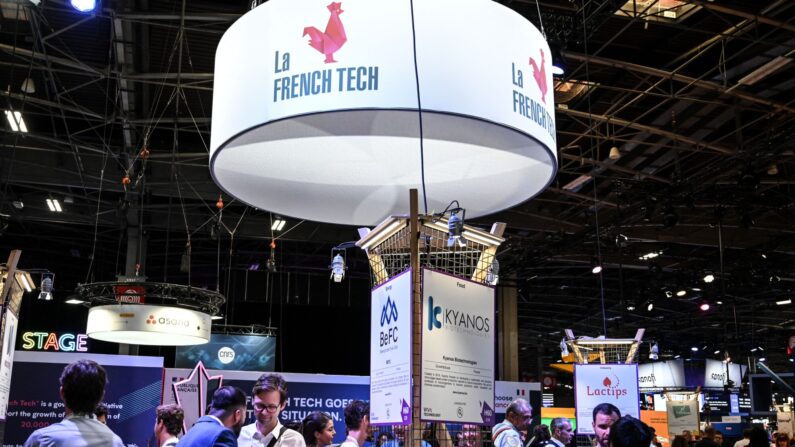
x=231, y=352
x=596, y=384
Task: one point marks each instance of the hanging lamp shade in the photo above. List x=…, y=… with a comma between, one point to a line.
x=316, y=108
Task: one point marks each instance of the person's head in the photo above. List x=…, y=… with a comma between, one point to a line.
x=519, y=413
x=229, y=405
x=687, y=435
x=470, y=436
x=708, y=433
x=718, y=437
x=169, y=420
x=561, y=430
x=357, y=416
x=604, y=416
x=679, y=441
x=101, y=412
x=268, y=397
x=758, y=437
x=629, y=432
x=318, y=428
x=541, y=432
x=782, y=440
x=747, y=433
x=83, y=386
x=382, y=438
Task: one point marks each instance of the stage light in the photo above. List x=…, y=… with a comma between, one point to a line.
x=650, y=255
x=493, y=273
x=455, y=225
x=217, y=317
x=597, y=269
x=694, y=349
x=564, y=349
x=717, y=352
x=681, y=292
x=16, y=121
x=74, y=300
x=18, y=204
x=615, y=153
x=630, y=307
x=337, y=268
x=650, y=306
x=704, y=306
x=762, y=359
x=278, y=224
x=654, y=352
x=45, y=289
x=28, y=86
x=54, y=205
x=784, y=302
x=84, y=5
x=669, y=294
x=558, y=66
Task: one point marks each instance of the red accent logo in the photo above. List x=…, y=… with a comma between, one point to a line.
x=607, y=382
x=151, y=320
x=540, y=75
x=333, y=38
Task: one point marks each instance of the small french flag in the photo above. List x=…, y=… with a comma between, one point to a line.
x=519, y=392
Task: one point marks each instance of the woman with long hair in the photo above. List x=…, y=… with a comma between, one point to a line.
x=318, y=429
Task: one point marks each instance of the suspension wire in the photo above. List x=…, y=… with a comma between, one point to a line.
x=541, y=21
x=419, y=108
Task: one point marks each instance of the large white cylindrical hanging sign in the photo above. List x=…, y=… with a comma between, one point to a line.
x=144, y=324
x=315, y=108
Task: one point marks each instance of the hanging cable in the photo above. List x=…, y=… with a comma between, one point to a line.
x=419, y=109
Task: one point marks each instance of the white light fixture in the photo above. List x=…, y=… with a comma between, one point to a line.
x=278, y=224
x=709, y=277
x=493, y=273
x=146, y=324
x=762, y=359
x=650, y=306
x=694, y=349
x=681, y=292
x=615, y=154
x=18, y=204
x=704, y=306
x=74, y=300
x=784, y=302
x=597, y=269
x=455, y=226
x=337, y=268
x=217, y=317
x=28, y=86
x=54, y=205
x=654, y=351
x=717, y=352
x=84, y=5
x=25, y=281
x=16, y=121
x=649, y=255
x=630, y=307
x=564, y=349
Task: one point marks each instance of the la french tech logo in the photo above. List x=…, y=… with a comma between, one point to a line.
x=389, y=312
x=608, y=388
x=333, y=38
x=151, y=320
x=540, y=75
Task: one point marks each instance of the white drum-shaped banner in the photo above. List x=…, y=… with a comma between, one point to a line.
x=315, y=108
x=144, y=324
x=616, y=385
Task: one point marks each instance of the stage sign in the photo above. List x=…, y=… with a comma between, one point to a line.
x=132, y=394
x=457, y=350
x=390, y=352
x=596, y=384
x=231, y=352
x=306, y=393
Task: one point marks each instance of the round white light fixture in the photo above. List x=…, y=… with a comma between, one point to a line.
x=316, y=109
x=84, y=5
x=145, y=324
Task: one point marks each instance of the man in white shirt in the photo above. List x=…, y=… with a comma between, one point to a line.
x=169, y=424
x=357, y=421
x=746, y=439
x=508, y=433
x=269, y=397
x=561, y=431
x=82, y=388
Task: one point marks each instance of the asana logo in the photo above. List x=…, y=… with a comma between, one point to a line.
x=151, y=320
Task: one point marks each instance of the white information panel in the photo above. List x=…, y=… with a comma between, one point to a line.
x=390, y=352
x=7, y=360
x=668, y=374
x=597, y=384
x=715, y=373
x=682, y=415
x=457, y=350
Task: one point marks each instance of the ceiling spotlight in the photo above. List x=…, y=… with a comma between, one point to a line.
x=677, y=356
x=784, y=302
x=74, y=300
x=558, y=66
x=650, y=255
x=704, y=306
x=455, y=225
x=84, y=5
x=278, y=224
x=694, y=349
x=493, y=273
x=54, y=205
x=718, y=302
x=762, y=359
x=17, y=204
x=337, y=268
x=772, y=169
x=597, y=269
x=681, y=292
x=28, y=86
x=709, y=277
x=650, y=306
x=45, y=289
x=630, y=307
x=717, y=352
x=669, y=294
x=654, y=351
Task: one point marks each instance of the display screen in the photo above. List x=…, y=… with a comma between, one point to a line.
x=231, y=352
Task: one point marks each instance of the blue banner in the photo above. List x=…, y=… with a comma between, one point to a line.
x=231, y=352
x=133, y=392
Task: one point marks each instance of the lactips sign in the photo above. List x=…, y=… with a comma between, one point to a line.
x=596, y=384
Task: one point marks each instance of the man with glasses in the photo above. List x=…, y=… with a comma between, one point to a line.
x=508, y=432
x=269, y=398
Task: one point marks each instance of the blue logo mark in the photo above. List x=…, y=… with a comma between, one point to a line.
x=389, y=312
x=433, y=315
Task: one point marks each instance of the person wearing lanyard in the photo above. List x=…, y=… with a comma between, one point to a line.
x=508, y=432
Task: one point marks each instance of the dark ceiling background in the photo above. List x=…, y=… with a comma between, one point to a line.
x=704, y=180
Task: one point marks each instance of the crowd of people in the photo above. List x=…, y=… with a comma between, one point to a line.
x=82, y=388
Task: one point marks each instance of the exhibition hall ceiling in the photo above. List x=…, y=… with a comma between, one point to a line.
x=675, y=131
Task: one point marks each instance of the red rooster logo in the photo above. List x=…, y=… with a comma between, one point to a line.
x=540, y=75
x=333, y=38
x=607, y=382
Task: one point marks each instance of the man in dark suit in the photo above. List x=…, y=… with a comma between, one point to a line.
x=221, y=425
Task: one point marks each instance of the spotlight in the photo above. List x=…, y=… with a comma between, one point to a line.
x=278, y=224
x=650, y=306
x=217, y=317
x=681, y=292
x=649, y=255
x=45, y=290
x=717, y=352
x=654, y=352
x=669, y=294
x=564, y=349
x=762, y=359
x=28, y=86
x=704, y=306
x=615, y=153
x=558, y=66
x=18, y=204
x=84, y=5
x=630, y=307
x=597, y=269
x=709, y=277
x=493, y=273
x=74, y=300
x=54, y=205
x=455, y=225
x=337, y=268
x=784, y=302
x=16, y=121
x=694, y=349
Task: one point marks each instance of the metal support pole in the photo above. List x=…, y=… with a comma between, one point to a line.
x=416, y=321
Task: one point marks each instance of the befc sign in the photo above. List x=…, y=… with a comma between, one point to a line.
x=608, y=388
x=389, y=315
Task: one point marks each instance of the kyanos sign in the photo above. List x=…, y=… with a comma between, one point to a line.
x=596, y=384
